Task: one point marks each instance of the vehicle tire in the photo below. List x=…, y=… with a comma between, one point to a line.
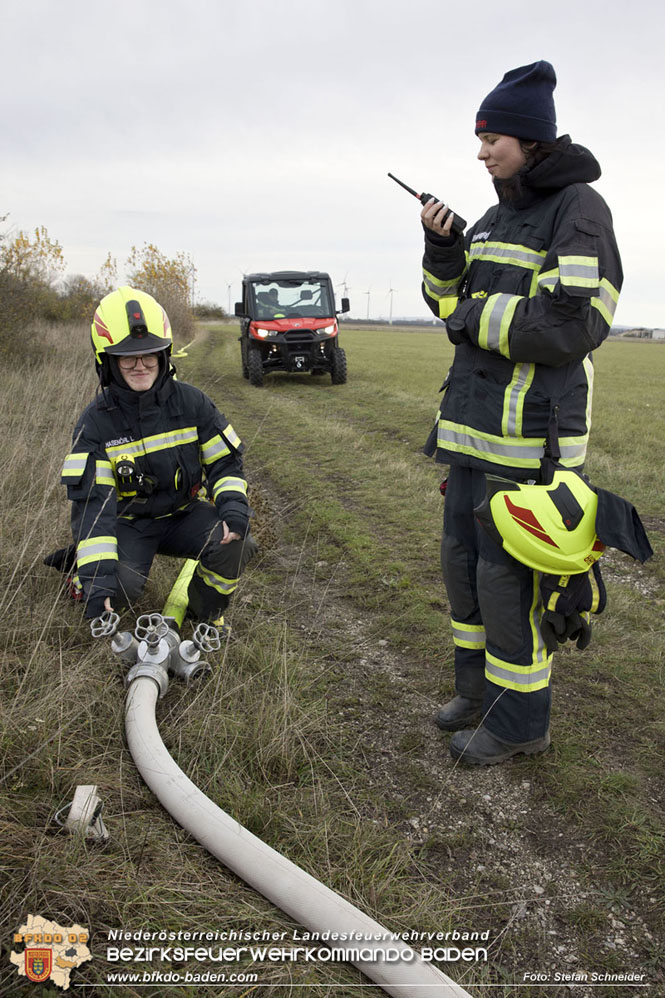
x=255, y=368
x=338, y=366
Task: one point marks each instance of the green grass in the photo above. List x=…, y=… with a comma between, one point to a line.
x=310, y=732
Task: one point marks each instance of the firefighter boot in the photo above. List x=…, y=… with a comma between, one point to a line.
x=482, y=748
x=458, y=713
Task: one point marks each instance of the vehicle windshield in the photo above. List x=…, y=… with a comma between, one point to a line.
x=284, y=299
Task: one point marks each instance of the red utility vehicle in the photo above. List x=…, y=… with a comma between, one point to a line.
x=289, y=323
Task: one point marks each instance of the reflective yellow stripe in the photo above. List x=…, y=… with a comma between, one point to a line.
x=447, y=306
x=437, y=288
x=149, y=445
x=96, y=549
x=230, y=434
x=595, y=592
x=468, y=635
x=549, y=279
x=213, y=449
x=495, y=319
x=524, y=678
x=104, y=473
x=589, y=370
x=520, y=452
x=579, y=271
x=513, y=400
x=74, y=464
x=606, y=302
x=215, y=581
x=229, y=484
x=512, y=253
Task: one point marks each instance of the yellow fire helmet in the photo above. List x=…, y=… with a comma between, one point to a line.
x=551, y=528
x=129, y=321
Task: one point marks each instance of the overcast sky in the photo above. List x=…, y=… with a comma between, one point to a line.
x=256, y=135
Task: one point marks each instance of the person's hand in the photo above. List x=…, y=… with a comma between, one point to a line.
x=229, y=535
x=107, y=604
x=432, y=215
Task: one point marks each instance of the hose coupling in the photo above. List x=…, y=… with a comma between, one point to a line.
x=149, y=670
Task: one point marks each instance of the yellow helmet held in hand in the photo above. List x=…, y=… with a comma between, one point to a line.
x=551, y=528
x=129, y=321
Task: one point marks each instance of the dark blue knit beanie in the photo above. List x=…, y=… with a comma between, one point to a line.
x=522, y=104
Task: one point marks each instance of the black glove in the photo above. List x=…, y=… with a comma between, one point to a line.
x=94, y=606
x=63, y=559
x=567, y=601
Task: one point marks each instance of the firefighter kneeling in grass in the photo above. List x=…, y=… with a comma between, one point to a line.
x=144, y=453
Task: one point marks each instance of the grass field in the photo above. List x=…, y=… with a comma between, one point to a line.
x=315, y=730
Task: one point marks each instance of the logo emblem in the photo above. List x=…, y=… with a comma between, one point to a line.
x=38, y=964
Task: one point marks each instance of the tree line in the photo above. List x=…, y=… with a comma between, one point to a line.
x=33, y=286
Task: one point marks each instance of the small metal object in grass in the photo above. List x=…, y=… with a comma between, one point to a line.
x=83, y=815
x=151, y=628
x=206, y=637
x=105, y=625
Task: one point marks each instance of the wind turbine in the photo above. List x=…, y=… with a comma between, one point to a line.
x=344, y=285
x=368, y=292
x=391, y=292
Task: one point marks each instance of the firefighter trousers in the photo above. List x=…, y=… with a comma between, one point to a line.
x=495, y=606
x=194, y=532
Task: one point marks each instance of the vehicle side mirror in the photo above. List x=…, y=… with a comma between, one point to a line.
x=239, y=309
x=345, y=306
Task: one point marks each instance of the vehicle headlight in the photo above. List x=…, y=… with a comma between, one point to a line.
x=265, y=332
x=328, y=330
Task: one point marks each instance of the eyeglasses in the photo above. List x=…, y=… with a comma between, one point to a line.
x=148, y=360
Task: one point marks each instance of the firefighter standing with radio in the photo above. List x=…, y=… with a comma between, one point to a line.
x=526, y=295
x=144, y=454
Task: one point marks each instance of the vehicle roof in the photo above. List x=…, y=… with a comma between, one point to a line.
x=286, y=275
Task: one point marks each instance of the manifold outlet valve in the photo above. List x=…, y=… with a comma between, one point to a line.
x=84, y=815
x=105, y=625
x=206, y=638
x=151, y=628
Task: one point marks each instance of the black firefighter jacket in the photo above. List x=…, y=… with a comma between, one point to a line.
x=178, y=444
x=526, y=295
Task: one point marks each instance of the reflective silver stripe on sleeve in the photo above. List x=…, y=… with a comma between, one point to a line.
x=96, y=549
x=493, y=333
x=104, y=473
x=74, y=465
x=230, y=434
x=607, y=300
x=579, y=271
x=229, y=484
x=440, y=289
x=214, y=449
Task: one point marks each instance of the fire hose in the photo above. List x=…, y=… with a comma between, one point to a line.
x=154, y=651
